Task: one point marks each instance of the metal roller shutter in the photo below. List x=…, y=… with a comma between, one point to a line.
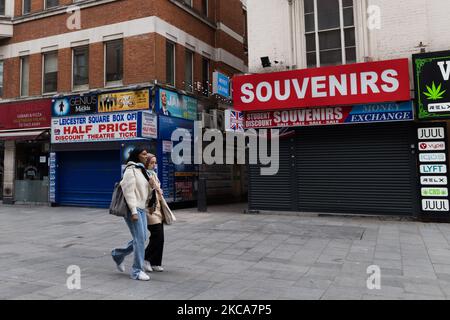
x=367, y=169
x=274, y=192
x=87, y=178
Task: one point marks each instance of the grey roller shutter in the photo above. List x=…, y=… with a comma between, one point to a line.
x=275, y=192
x=367, y=169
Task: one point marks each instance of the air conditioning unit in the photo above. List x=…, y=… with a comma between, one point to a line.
x=217, y=119
x=205, y=118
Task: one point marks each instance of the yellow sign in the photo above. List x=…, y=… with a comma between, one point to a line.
x=124, y=101
x=186, y=174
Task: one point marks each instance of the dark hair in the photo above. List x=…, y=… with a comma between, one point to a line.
x=134, y=154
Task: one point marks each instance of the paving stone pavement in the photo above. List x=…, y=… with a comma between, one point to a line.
x=224, y=254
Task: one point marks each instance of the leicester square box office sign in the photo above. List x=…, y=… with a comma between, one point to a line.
x=104, y=127
x=432, y=85
x=359, y=83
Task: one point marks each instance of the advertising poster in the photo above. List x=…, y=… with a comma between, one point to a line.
x=177, y=180
x=124, y=101
x=74, y=105
x=172, y=104
x=149, y=125
x=127, y=147
x=432, y=83
x=381, y=112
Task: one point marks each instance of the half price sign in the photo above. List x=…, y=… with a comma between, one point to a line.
x=94, y=128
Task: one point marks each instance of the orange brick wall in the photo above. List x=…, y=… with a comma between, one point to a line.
x=144, y=55
x=65, y=70
x=96, y=65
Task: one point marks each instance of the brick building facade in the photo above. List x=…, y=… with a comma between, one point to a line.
x=51, y=48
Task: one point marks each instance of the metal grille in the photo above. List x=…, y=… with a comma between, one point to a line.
x=356, y=169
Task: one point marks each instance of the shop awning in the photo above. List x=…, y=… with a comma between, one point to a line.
x=22, y=135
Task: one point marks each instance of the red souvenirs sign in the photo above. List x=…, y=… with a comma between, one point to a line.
x=358, y=83
x=25, y=115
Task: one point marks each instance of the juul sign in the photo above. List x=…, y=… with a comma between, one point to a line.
x=433, y=170
x=431, y=133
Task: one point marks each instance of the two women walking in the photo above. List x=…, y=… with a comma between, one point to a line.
x=138, y=184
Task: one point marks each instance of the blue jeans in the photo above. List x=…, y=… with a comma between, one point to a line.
x=138, y=230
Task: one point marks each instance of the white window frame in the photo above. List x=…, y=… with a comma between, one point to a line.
x=6, y=9
x=118, y=83
x=207, y=8
x=85, y=86
x=191, y=89
x=2, y=62
x=174, y=63
x=361, y=32
x=23, y=7
x=208, y=78
x=21, y=76
x=46, y=8
x=43, y=73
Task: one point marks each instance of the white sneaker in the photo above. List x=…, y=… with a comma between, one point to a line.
x=143, y=276
x=121, y=267
x=158, y=268
x=147, y=267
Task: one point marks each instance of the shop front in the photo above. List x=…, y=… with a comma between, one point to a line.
x=91, y=139
x=432, y=92
x=175, y=111
x=24, y=151
x=347, y=139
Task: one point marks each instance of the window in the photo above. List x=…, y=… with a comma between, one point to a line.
x=189, y=71
x=114, y=61
x=2, y=7
x=50, y=72
x=205, y=77
x=51, y=3
x=1, y=78
x=170, y=63
x=188, y=2
x=24, y=76
x=329, y=32
x=26, y=8
x=205, y=8
x=80, y=67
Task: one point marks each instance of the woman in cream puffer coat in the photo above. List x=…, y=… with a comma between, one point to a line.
x=136, y=189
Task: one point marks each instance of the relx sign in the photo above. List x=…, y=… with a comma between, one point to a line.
x=359, y=83
x=432, y=83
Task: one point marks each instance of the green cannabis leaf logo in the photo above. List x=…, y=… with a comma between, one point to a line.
x=434, y=93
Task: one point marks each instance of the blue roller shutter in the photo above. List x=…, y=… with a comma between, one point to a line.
x=87, y=178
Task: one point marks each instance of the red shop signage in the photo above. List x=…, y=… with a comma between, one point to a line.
x=338, y=85
x=25, y=115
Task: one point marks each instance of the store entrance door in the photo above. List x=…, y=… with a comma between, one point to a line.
x=31, y=183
